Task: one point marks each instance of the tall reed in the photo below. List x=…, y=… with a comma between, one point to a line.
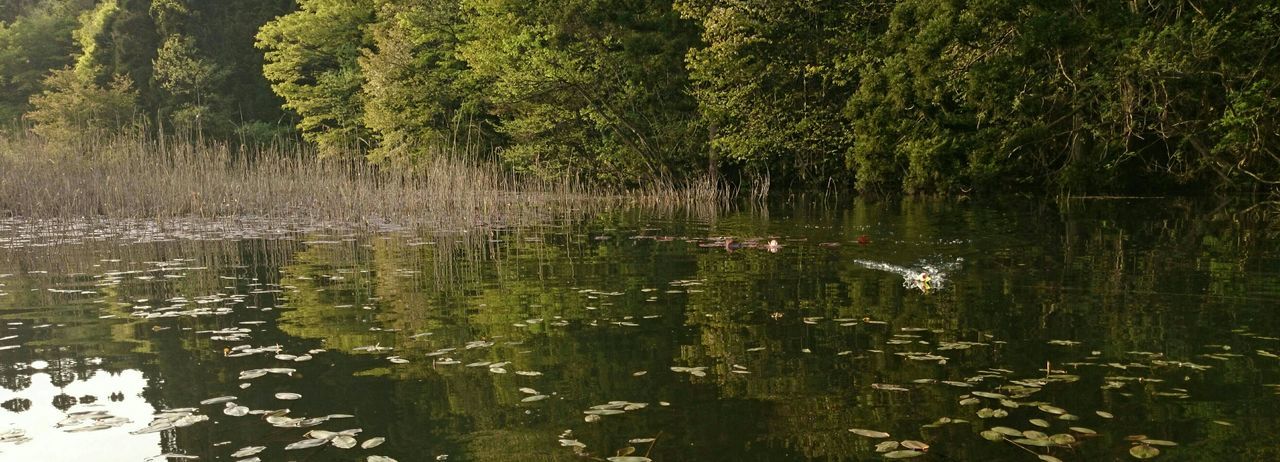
x=137, y=176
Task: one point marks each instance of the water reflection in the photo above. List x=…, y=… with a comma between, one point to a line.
x=39, y=400
x=1129, y=320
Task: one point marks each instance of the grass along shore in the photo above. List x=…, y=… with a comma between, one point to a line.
x=162, y=178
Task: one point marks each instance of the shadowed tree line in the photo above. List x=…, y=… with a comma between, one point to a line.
x=933, y=96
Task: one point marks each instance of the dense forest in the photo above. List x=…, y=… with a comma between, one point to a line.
x=921, y=96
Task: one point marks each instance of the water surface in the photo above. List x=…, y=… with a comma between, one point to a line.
x=1126, y=325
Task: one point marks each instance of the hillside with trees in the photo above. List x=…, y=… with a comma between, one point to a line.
x=916, y=96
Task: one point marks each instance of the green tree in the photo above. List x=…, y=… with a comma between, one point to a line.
x=188, y=79
x=33, y=43
x=126, y=45
x=770, y=84
x=73, y=107
x=1114, y=96
x=311, y=61
x=414, y=91
x=594, y=87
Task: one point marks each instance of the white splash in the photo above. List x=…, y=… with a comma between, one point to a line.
x=925, y=277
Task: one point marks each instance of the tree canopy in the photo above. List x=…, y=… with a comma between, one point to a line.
x=921, y=96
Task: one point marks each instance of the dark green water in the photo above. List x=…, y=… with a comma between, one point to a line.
x=1162, y=314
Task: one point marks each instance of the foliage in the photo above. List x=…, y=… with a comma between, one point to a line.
x=93, y=23
x=31, y=45
x=956, y=95
x=73, y=107
x=769, y=83
x=921, y=96
x=414, y=94
x=187, y=77
x=592, y=87
x=312, y=62
x=126, y=44
x=224, y=32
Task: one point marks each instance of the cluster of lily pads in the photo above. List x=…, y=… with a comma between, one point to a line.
x=1011, y=393
x=1018, y=393
x=279, y=418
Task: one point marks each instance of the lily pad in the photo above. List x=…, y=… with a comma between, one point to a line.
x=1006, y=431
x=248, y=451
x=869, y=433
x=343, y=442
x=1143, y=451
x=1052, y=409
x=1035, y=435
x=1043, y=443
x=307, y=443
x=917, y=445
x=886, y=446
x=1062, y=439
x=903, y=454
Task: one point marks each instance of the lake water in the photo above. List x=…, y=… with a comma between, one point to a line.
x=1076, y=330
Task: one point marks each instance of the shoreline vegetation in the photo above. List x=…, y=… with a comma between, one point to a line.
x=131, y=177
x=684, y=101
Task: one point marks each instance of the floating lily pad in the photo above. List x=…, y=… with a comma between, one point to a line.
x=1043, y=443
x=1143, y=451
x=343, y=442
x=917, y=445
x=218, y=400
x=307, y=443
x=903, y=454
x=248, y=451
x=869, y=433
x=1063, y=439
x=1035, y=435
x=1052, y=409
x=1006, y=431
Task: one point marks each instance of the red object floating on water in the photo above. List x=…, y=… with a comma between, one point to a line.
x=864, y=239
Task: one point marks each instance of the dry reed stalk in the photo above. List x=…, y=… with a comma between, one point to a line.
x=137, y=176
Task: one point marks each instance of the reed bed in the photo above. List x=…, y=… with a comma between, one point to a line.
x=172, y=177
